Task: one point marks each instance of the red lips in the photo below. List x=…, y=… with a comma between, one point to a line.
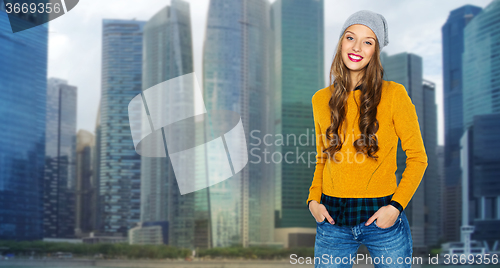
x=356, y=55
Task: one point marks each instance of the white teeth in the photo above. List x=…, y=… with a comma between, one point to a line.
x=354, y=57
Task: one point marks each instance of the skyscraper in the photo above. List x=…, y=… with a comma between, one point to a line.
x=120, y=185
x=96, y=168
x=298, y=39
x=168, y=53
x=86, y=188
x=432, y=180
x=406, y=69
x=480, y=166
x=60, y=158
x=481, y=106
x=236, y=77
x=481, y=91
x=440, y=164
x=23, y=80
x=453, y=47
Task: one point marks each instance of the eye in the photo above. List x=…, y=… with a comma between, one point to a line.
x=369, y=43
x=349, y=37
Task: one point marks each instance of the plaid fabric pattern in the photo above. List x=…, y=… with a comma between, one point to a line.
x=353, y=211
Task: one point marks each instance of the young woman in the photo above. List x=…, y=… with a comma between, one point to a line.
x=354, y=196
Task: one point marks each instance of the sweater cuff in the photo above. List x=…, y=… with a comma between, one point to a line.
x=397, y=205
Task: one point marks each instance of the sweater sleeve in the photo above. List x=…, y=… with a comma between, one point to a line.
x=315, y=190
x=406, y=125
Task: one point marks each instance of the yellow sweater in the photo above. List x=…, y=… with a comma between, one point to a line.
x=357, y=175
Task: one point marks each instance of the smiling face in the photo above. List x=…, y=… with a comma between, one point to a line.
x=358, y=47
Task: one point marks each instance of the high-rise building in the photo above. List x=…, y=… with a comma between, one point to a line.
x=237, y=56
x=480, y=166
x=23, y=80
x=481, y=92
x=96, y=167
x=432, y=180
x=120, y=165
x=60, y=160
x=481, y=106
x=202, y=220
x=406, y=69
x=440, y=164
x=298, y=57
x=86, y=188
x=168, y=54
x=453, y=47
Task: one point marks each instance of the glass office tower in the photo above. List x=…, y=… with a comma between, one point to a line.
x=120, y=165
x=96, y=172
x=299, y=73
x=85, y=184
x=484, y=189
x=432, y=179
x=60, y=158
x=23, y=80
x=168, y=53
x=481, y=106
x=236, y=77
x=481, y=90
x=453, y=47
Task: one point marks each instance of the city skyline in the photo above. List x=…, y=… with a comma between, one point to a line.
x=80, y=31
x=240, y=211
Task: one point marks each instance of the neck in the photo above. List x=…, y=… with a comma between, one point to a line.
x=355, y=77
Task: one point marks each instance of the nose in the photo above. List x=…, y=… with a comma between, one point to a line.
x=356, y=47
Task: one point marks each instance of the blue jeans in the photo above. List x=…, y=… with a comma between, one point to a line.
x=337, y=246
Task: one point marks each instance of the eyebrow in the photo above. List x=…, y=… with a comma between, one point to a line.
x=367, y=37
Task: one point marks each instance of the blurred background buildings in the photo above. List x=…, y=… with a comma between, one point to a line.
x=264, y=61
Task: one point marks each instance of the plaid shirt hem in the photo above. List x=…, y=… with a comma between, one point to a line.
x=353, y=211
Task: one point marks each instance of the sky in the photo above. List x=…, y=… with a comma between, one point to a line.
x=75, y=39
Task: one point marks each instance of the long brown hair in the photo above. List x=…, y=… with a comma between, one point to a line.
x=371, y=92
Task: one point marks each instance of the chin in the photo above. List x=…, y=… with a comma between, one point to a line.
x=355, y=67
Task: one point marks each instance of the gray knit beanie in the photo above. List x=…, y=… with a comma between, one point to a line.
x=372, y=20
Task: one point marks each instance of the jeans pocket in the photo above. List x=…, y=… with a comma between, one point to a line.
x=397, y=222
